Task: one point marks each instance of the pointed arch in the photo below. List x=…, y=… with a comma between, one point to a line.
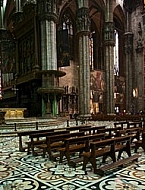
x=119, y=16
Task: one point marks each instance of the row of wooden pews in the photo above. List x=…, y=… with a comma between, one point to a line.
x=107, y=148
x=78, y=145
x=90, y=142
x=55, y=141
x=25, y=133
x=119, y=138
x=38, y=137
x=111, y=134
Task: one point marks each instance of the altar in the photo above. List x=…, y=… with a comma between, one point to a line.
x=13, y=113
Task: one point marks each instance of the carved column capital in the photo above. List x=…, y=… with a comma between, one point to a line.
x=47, y=10
x=128, y=39
x=109, y=34
x=139, y=47
x=83, y=21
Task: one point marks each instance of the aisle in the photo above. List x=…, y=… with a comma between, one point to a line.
x=21, y=171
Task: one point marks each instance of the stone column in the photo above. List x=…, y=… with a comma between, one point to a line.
x=48, y=17
x=83, y=26
x=139, y=72
x=129, y=74
x=109, y=43
x=109, y=66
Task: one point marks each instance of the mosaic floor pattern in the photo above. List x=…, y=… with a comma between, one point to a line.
x=21, y=171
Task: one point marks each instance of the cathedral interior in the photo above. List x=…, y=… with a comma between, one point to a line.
x=72, y=56
x=59, y=58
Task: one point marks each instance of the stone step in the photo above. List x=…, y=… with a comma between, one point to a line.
x=9, y=127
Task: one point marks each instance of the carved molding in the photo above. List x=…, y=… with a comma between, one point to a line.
x=128, y=42
x=47, y=10
x=83, y=21
x=109, y=33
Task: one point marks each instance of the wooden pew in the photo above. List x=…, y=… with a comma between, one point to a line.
x=27, y=133
x=123, y=124
x=78, y=127
x=79, y=144
x=133, y=118
x=92, y=130
x=105, y=148
x=122, y=143
x=54, y=142
x=110, y=132
x=34, y=139
x=97, y=149
x=135, y=125
x=102, y=170
x=141, y=142
x=134, y=134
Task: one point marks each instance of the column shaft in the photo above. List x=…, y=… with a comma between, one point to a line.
x=109, y=66
x=109, y=79
x=48, y=45
x=84, y=74
x=83, y=26
x=129, y=73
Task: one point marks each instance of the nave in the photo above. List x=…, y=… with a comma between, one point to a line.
x=21, y=171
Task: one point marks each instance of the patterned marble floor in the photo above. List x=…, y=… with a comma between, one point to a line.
x=21, y=171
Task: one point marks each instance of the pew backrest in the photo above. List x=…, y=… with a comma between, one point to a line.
x=122, y=124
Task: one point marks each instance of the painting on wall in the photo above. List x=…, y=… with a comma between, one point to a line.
x=97, y=81
x=97, y=87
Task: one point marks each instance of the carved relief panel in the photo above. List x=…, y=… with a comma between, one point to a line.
x=26, y=54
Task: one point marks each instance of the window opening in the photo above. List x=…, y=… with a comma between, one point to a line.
x=116, y=54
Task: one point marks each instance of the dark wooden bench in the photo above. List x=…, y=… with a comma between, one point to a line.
x=105, y=148
x=123, y=125
x=27, y=133
x=134, y=132
x=78, y=144
x=54, y=142
x=141, y=142
x=40, y=138
x=120, y=163
x=77, y=127
x=92, y=129
x=123, y=143
x=98, y=149
x=110, y=132
x=135, y=125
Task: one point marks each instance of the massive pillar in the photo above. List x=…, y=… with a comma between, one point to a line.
x=50, y=91
x=109, y=57
x=128, y=41
x=129, y=73
x=139, y=88
x=83, y=26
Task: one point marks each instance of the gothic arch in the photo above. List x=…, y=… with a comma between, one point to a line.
x=68, y=11
x=118, y=15
x=100, y=4
x=10, y=10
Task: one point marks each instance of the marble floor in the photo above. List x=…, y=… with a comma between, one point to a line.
x=21, y=171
